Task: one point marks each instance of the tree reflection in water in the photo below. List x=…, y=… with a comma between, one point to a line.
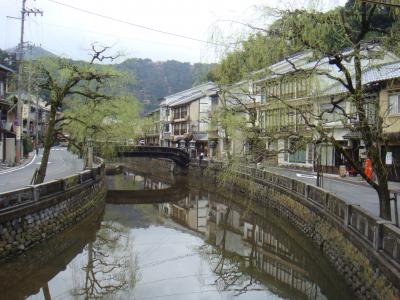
x=111, y=266
x=234, y=271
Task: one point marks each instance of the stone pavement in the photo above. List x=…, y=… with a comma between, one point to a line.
x=351, y=189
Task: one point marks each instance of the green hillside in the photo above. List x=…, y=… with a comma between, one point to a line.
x=153, y=80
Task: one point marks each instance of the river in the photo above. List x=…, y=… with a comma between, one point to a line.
x=200, y=246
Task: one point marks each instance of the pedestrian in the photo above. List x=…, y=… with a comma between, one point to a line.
x=368, y=169
x=201, y=157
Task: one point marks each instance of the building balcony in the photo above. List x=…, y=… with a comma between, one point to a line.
x=166, y=135
x=177, y=120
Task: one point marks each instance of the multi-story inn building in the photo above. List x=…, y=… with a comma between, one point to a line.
x=185, y=118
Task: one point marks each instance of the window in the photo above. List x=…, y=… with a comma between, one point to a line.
x=394, y=104
x=297, y=152
x=1, y=88
x=183, y=112
x=176, y=113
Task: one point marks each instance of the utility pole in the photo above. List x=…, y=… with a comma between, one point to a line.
x=393, y=3
x=19, y=120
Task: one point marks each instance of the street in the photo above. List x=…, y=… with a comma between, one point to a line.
x=61, y=164
x=354, y=193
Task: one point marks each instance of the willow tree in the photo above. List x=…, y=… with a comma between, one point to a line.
x=104, y=124
x=345, y=39
x=60, y=79
x=339, y=42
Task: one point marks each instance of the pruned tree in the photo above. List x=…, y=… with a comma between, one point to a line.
x=90, y=87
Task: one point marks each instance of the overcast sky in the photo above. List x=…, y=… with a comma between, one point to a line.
x=69, y=32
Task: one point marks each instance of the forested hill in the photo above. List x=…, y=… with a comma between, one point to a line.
x=158, y=79
x=153, y=79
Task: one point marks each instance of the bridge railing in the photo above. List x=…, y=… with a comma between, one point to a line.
x=33, y=193
x=151, y=150
x=379, y=234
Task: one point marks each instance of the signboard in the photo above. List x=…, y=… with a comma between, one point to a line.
x=18, y=132
x=389, y=158
x=25, y=111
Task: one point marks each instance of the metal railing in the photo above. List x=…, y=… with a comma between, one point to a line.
x=167, y=152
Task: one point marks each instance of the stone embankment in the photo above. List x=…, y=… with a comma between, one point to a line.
x=36, y=212
x=363, y=248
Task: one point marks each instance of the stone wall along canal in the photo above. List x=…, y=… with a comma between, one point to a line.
x=201, y=246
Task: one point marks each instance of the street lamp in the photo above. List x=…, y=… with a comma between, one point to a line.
x=192, y=147
x=182, y=144
x=213, y=145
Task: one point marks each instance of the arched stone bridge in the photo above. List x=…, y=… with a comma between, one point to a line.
x=180, y=156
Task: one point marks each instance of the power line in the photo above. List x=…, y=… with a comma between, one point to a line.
x=133, y=24
x=122, y=37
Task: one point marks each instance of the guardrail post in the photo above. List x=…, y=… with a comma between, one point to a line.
x=35, y=192
x=396, y=212
x=378, y=236
x=93, y=173
x=306, y=191
x=347, y=213
x=63, y=184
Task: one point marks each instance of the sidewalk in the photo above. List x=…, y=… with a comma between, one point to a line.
x=353, y=190
x=23, y=162
x=393, y=185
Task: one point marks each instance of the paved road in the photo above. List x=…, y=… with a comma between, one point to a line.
x=61, y=163
x=362, y=195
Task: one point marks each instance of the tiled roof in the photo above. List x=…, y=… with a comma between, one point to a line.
x=6, y=68
x=373, y=74
x=383, y=72
x=191, y=94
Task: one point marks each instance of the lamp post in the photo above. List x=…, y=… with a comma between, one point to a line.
x=213, y=145
x=192, y=147
x=182, y=144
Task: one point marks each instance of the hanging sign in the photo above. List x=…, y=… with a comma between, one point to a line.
x=389, y=158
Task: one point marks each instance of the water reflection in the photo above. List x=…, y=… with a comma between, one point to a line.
x=129, y=180
x=29, y=273
x=111, y=265
x=200, y=246
x=248, y=249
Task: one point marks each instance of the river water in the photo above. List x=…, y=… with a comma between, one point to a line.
x=201, y=246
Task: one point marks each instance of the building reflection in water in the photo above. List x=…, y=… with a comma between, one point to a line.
x=247, y=251
x=129, y=180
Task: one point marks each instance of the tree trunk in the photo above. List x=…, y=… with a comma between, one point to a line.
x=380, y=170
x=46, y=291
x=48, y=143
x=371, y=139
